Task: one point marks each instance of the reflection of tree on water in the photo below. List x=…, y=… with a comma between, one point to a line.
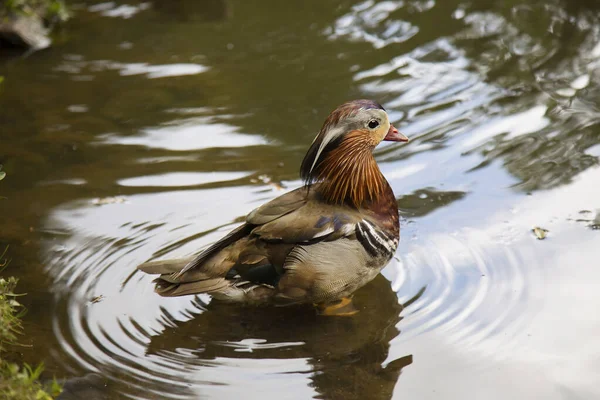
x=346, y=353
x=541, y=53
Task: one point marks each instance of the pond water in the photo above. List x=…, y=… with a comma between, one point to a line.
x=150, y=129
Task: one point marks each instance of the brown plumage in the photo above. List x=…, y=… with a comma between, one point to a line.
x=350, y=173
x=315, y=244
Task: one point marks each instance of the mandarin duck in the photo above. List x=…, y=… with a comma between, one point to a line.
x=316, y=244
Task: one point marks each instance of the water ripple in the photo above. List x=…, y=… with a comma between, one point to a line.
x=495, y=106
x=371, y=22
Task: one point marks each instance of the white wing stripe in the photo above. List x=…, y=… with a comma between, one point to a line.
x=374, y=240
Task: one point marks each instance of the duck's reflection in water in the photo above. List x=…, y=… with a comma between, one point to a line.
x=346, y=353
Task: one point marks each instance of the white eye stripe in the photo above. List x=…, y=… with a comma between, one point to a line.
x=355, y=120
x=330, y=136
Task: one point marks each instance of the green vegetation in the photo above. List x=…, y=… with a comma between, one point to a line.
x=57, y=11
x=51, y=10
x=9, y=315
x=17, y=383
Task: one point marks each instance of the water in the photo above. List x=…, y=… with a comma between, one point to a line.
x=150, y=129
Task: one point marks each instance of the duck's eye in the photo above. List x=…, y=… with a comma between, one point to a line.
x=373, y=124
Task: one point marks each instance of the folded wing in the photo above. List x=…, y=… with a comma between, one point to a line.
x=251, y=259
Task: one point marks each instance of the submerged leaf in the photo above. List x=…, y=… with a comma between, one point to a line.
x=109, y=200
x=97, y=299
x=540, y=233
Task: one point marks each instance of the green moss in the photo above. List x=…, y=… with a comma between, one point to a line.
x=10, y=324
x=23, y=383
x=17, y=383
x=57, y=11
x=50, y=10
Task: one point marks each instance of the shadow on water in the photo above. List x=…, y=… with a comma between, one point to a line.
x=346, y=354
x=341, y=357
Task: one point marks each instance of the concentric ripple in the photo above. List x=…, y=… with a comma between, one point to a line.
x=474, y=288
x=503, y=124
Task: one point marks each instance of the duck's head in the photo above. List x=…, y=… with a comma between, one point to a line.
x=351, y=129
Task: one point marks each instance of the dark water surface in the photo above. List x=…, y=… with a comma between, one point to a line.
x=150, y=129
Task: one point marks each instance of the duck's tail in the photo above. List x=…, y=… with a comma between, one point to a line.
x=171, y=283
x=210, y=272
x=164, y=266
